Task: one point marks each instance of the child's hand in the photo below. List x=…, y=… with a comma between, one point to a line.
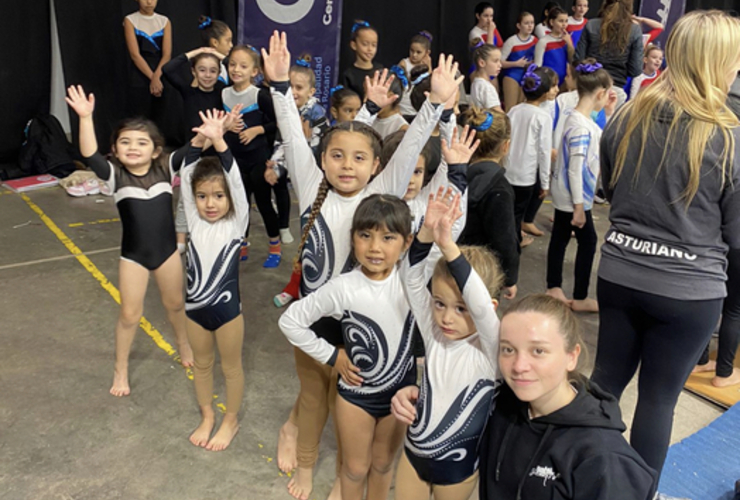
x=461, y=149
x=377, y=89
x=77, y=100
x=277, y=61
x=510, y=292
x=213, y=124
x=444, y=83
x=568, y=39
x=544, y=193
x=234, y=119
x=553, y=155
x=523, y=62
x=271, y=177
x=403, y=404
x=347, y=370
x=437, y=207
x=155, y=86
x=579, y=216
x=248, y=134
x=443, y=228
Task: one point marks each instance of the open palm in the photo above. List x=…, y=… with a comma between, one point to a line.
x=277, y=60
x=77, y=100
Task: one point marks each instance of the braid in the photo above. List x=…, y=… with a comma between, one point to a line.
x=315, y=209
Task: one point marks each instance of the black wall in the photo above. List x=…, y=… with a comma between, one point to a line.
x=94, y=53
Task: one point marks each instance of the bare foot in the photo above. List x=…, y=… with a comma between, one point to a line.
x=226, y=432
x=526, y=240
x=529, y=227
x=733, y=379
x=585, y=305
x=336, y=491
x=301, y=483
x=202, y=434
x=186, y=354
x=120, y=386
x=286, y=452
x=710, y=366
x=557, y=293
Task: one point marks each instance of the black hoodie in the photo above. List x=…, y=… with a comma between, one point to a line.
x=490, y=220
x=575, y=453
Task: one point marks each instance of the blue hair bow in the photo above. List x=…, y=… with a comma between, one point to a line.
x=420, y=78
x=360, y=24
x=426, y=35
x=587, y=69
x=334, y=89
x=302, y=63
x=205, y=23
x=531, y=74
x=253, y=48
x=400, y=74
x=486, y=123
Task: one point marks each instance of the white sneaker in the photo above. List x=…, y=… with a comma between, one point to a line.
x=285, y=236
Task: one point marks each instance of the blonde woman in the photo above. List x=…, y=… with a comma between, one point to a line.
x=669, y=163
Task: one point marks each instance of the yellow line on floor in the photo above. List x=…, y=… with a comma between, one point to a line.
x=92, y=269
x=94, y=222
x=52, y=259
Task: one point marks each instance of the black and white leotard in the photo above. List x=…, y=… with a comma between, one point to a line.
x=212, y=298
x=376, y=326
x=145, y=206
x=460, y=377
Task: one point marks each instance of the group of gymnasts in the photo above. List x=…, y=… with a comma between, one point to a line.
x=412, y=225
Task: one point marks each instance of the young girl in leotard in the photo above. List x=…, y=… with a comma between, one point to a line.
x=350, y=155
x=217, y=214
x=140, y=181
x=555, y=49
x=516, y=54
x=217, y=35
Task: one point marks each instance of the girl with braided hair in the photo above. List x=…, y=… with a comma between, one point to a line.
x=328, y=197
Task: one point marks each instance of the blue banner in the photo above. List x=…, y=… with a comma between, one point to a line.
x=313, y=28
x=666, y=12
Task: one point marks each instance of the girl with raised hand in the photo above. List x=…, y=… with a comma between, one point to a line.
x=141, y=184
x=459, y=326
x=516, y=54
x=217, y=35
x=349, y=156
x=218, y=214
x=376, y=359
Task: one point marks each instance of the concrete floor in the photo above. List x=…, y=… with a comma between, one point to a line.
x=62, y=436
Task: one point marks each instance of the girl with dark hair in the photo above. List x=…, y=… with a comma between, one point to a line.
x=485, y=29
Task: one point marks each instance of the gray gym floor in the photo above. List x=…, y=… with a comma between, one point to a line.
x=62, y=436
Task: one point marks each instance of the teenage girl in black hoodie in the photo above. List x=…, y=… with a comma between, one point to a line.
x=553, y=435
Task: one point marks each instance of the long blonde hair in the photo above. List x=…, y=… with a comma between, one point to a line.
x=702, y=48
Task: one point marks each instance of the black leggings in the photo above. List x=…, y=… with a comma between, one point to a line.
x=253, y=177
x=729, y=330
x=282, y=200
x=522, y=198
x=535, y=202
x=559, y=240
x=665, y=337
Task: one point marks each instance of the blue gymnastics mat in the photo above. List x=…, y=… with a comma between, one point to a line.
x=705, y=465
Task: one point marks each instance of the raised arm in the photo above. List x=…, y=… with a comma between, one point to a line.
x=394, y=179
x=299, y=159
x=84, y=105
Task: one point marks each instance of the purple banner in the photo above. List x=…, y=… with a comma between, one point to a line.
x=666, y=12
x=313, y=28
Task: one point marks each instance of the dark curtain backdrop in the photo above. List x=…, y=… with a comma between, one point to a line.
x=94, y=53
x=25, y=74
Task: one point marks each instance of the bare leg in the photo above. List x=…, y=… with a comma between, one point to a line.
x=585, y=305
x=710, y=366
x=203, y=349
x=357, y=431
x=132, y=283
x=230, y=339
x=409, y=486
x=512, y=93
x=170, y=282
x=389, y=434
x=336, y=490
x=459, y=491
x=287, y=439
